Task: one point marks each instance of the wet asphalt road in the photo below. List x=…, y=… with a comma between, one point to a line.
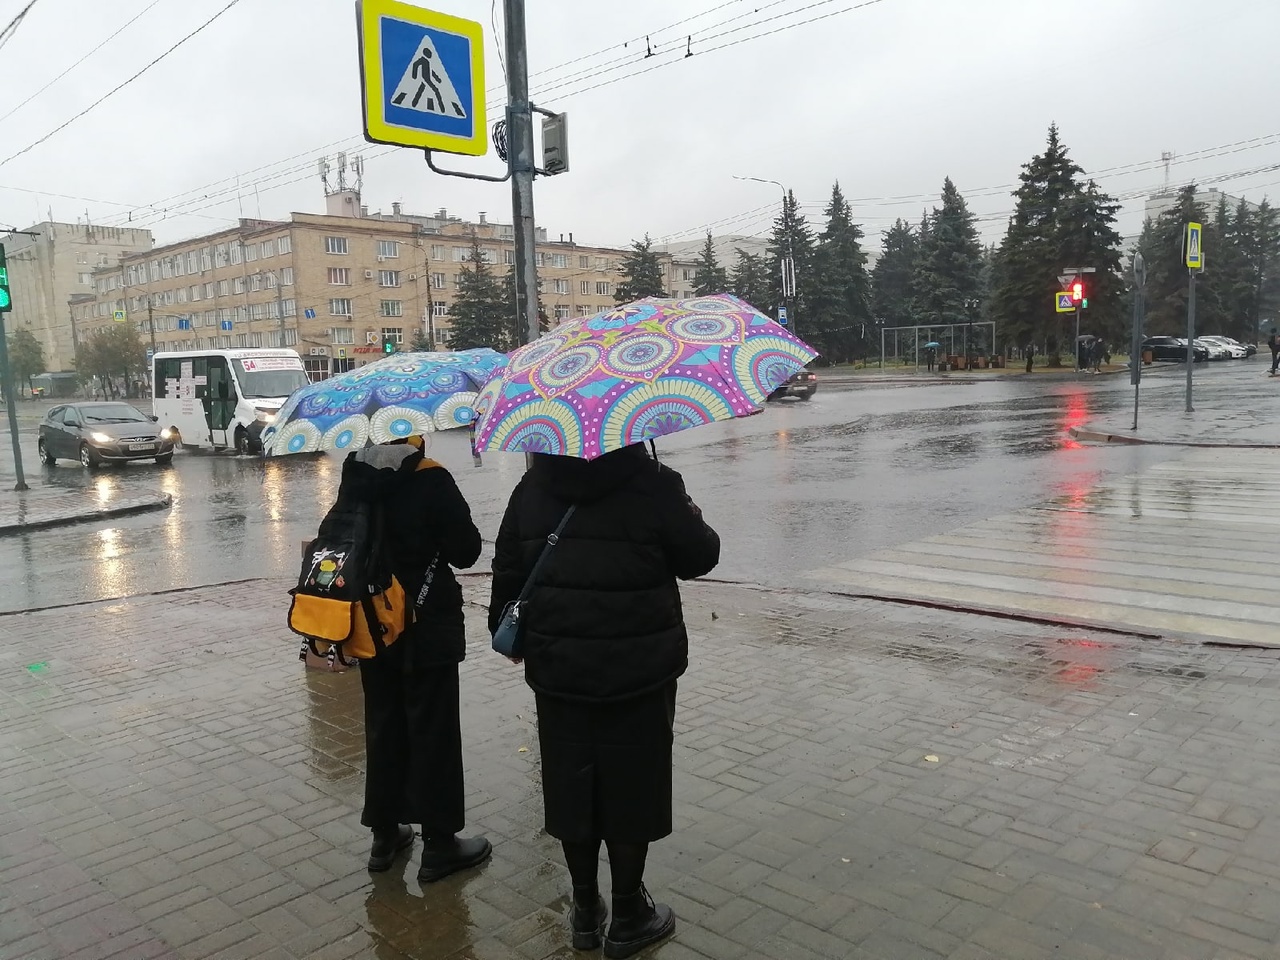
x=857, y=469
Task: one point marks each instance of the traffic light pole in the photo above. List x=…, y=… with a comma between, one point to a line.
x=10, y=397
x=521, y=164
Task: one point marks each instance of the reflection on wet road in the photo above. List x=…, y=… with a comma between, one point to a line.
x=801, y=485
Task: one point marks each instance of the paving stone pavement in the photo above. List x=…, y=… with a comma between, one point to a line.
x=854, y=779
x=37, y=507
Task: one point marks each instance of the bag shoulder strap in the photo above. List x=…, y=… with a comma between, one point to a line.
x=552, y=540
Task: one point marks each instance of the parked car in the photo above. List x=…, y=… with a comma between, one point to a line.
x=1173, y=349
x=803, y=385
x=102, y=432
x=1238, y=350
x=1217, y=351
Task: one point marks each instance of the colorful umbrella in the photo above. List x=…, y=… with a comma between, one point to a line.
x=399, y=395
x=636, y=373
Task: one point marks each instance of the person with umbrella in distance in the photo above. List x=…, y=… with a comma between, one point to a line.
x=931, y=353
x=604, y=639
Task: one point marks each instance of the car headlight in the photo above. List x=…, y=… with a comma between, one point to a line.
x=99, y=438
x=166, y=434
x=265, y=416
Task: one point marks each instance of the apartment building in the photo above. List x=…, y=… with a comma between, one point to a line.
x=333, y=287
x=57, y=263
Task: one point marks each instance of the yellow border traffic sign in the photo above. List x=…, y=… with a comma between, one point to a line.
x=385, y=122
x=1063, y=303
x=1195, y=246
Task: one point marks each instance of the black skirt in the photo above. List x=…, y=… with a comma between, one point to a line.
x=606, y=767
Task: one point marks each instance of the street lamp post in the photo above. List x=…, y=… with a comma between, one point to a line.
x=971, y=304
x=788, y=265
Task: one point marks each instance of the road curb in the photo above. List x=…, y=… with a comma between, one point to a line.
x=1096, y=436
x=137, y=505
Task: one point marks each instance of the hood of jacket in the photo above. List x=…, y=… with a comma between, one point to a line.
x=583, y=481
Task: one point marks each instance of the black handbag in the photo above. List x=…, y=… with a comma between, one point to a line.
x=509, y=635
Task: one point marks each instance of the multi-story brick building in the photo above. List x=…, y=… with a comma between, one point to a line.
x=333, y=286
x=57, y=263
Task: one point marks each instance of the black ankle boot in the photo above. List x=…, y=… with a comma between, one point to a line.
x=387, y=842
x=442, y=856
x=587, y=917
x=637, y=922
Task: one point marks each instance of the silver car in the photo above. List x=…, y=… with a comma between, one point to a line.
x=102, y=432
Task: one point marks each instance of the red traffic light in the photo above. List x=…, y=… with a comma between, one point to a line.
x=1077, y=291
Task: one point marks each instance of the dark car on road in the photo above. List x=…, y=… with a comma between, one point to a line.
x=802, y=385
x=102, y=432
x=1172, y=349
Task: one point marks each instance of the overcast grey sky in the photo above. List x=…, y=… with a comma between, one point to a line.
x=888, y=98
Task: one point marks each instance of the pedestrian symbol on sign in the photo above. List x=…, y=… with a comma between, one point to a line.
x=426, y=85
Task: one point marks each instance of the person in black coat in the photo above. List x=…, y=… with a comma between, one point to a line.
x=413, y=736
x=604, y=643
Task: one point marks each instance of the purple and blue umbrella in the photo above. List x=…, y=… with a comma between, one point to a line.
x=391, y=398
x=636, y=373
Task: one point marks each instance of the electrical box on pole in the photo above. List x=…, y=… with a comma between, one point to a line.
x=555, y=144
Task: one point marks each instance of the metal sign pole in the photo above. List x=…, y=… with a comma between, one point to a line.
x=11, y=399
x=520, y=132
x=1191, y=334
x=1135, y=338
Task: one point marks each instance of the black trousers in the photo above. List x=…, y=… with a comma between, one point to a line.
x=413, y=744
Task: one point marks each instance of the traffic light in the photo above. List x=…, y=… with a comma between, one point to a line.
x=1077, y=291
x=6, y=299
x=388, y=345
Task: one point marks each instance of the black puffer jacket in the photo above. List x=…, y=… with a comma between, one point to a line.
x=604, y=622
x=426, y=515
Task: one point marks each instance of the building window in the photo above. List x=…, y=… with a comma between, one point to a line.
x=86, y=279
x=286, y=276
x=268, y=249
x=237, y=285
x=584, y=287
x=388, y=278
x=562, y=312
x=541, y=259
x=155, y=270
x=291, y=307
x=562, y=286
x=286, y=245
x=166, y=269
x=343, y=364
x=291, y=336
x=223, y=288
x=437, y=251
x=250, y=252
x=205, y=262
x=461, y=254
x=340, y=276
x=235, y=252
x=208, y=291
x=394, y=334
x=559, y=260
x=195, y=291
x=182, y=294
x=509, y=257
x=191, y=261
x=389, y=249
x=220, y=255
x=584, y=262
x=439, y=309
x=602, y=288
x=271, y=280
x=437, y=281
x=342, y=334
x=392, y=308
x=340, y=308
x=255, y=282
x=335, y=244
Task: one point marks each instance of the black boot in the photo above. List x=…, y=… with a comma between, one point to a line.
x=387, y=842
x=445, y=855
x=637, y=922
x=587, y=918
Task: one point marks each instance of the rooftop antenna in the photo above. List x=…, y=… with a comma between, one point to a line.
x=1167, y=158
x=357, y=164
x=342, y=172
x=324, y=174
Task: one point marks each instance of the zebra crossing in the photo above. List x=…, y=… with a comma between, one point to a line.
x=1188, y=548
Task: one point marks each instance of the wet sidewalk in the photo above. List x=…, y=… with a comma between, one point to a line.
x=853, y=779
x=42, y=507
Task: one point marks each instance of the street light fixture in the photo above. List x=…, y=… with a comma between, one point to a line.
x=788, y=264
x=970, y=304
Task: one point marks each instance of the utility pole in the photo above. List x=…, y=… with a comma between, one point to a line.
x=1135, y=337
x=1193, y=254
x=521, y=165
x=6, y=374
x=788, y=264
x=279, y=305
x=151, y=324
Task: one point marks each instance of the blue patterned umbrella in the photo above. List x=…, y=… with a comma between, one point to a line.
x=391, y=398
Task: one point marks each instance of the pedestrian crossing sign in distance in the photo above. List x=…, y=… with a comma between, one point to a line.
x=421, y=78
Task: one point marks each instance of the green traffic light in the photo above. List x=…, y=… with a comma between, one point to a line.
x=6, y=298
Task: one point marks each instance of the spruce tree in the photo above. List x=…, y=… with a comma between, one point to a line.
x=891, y=279
x=421, y=342
x=710, y=276
x=751, y=281
x=948, y=270
x=641, y=274
x=792, y=237
x=481, y=309
x=841, y=288
x=1167, y=280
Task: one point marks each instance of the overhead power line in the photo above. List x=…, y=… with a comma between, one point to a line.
x=116, y=89
x=12, y=26
x=61, y=75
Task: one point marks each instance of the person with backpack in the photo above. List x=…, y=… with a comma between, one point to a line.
x=413, y=737
x=1273, y=342
x=603, y=644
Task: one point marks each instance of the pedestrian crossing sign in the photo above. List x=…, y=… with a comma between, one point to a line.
x=421, y=77
x=1195, y=252
x=118, y=316
x=1064, y=302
